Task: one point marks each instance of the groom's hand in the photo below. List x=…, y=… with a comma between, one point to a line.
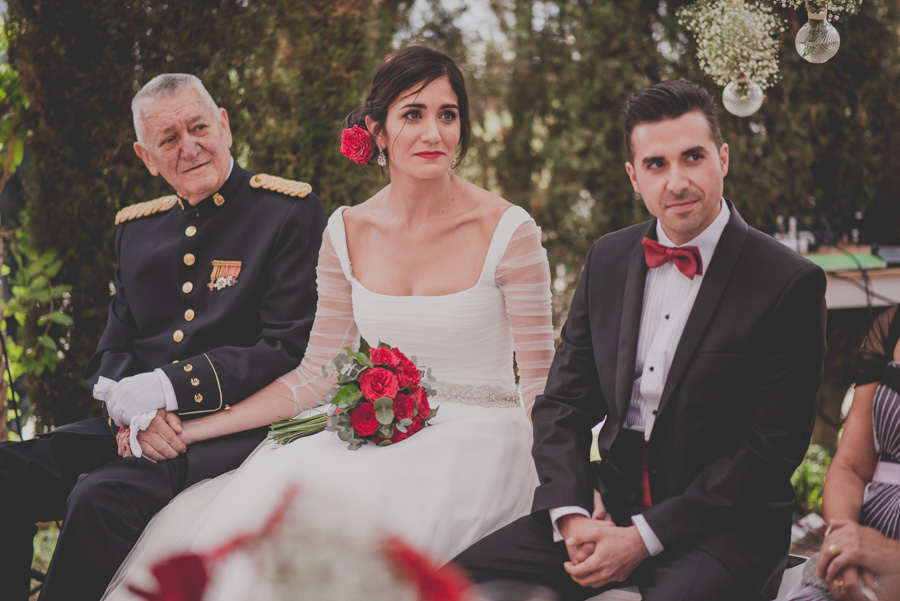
x=578, y=547
x=580, y=552
x=616, y=553
x=160, y=440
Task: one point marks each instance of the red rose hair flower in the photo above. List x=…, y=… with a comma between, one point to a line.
x=356, y=145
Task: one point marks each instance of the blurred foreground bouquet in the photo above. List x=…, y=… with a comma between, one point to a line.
x=303, y=553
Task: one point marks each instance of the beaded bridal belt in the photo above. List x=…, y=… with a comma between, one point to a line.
x=484, y=396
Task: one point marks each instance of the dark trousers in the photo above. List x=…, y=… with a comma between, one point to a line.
x=524, y=551
x=105, y=502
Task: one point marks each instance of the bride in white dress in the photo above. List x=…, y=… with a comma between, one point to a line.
x=440, y=269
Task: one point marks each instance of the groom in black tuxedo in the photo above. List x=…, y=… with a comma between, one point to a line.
x=699, y=341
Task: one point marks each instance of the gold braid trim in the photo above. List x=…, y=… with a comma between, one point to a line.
x=143, y=209
x=279, y=184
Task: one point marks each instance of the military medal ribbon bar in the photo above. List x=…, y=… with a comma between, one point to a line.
x=224, y=274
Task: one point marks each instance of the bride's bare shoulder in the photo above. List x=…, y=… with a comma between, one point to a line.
x=365, y=212
x=490, y=206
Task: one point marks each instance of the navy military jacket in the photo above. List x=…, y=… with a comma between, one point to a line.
x=220, y=295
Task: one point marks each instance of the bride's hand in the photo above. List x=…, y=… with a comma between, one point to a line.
x=160, y=441
x=122, y=444
x=188, y=431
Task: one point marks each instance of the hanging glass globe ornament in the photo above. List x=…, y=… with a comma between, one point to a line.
x=742, y=98
x=818, y=40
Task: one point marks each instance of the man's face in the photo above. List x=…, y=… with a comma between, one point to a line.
x=678, y=171
x=186, y=141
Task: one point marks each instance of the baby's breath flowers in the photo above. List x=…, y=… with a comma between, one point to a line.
x=820, y=6
x=735, y=40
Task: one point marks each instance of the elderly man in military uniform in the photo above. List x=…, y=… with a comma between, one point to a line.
x=215, y=297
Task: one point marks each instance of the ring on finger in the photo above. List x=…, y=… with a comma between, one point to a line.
x=833, y=549
x=837, y=584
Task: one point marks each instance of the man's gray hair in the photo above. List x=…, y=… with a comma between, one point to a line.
x=164, y=86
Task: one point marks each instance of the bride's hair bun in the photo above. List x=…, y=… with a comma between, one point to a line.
x=413, y=67
x=356, y=117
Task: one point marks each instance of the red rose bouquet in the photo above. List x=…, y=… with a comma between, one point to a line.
x=381, y=397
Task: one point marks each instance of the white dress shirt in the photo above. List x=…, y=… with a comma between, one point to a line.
x=668, y=299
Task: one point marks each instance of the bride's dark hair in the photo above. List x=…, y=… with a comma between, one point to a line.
x=402, y=70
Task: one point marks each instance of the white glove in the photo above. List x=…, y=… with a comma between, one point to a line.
x=137, y=394
x=138, y=423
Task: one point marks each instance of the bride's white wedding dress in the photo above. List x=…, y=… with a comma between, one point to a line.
x=447, y=486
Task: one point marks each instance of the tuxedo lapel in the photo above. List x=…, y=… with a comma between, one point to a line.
x=714, y=281
x=629, y=328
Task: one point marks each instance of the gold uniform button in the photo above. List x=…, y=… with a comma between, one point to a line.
x=188, y=367
x=195, y=381
x=189, y=259
x=178, y=336
x=189, y=315
x=190, y=231
x=198, y=398
x=187, y=287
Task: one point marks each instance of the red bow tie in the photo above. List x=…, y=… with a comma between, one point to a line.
x=686, y=258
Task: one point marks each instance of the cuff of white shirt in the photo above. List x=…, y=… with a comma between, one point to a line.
x=558, y=512
x=168, y=390
x=651, y=541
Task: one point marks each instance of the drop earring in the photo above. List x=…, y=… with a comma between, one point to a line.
x=454, y=162
x=382, y=158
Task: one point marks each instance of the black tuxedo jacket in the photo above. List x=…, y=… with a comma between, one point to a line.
x=736, y=412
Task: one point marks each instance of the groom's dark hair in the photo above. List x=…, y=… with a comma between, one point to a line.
x=669, y=100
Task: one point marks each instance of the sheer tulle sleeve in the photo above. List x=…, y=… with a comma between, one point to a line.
x=878, y=347
x=523, y=276
x=333, y=329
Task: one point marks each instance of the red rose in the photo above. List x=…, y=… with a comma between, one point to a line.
x=421, y=399
x=381, y=355
x=362, y=419
x=356, y=144
x=416, y=425
x=179, y=578
x=435, y=583
x=407, y=372
x=404, y=407
x=377, y=382
x=397, y=437
x=400, y=356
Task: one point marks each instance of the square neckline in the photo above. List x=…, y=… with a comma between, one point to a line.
x=345, y=255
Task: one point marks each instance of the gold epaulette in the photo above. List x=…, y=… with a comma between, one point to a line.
x=279, y=184
x=143, y=209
